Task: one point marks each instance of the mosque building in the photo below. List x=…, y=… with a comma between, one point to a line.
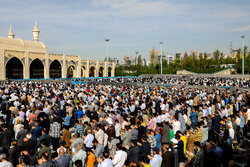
x=24, y=59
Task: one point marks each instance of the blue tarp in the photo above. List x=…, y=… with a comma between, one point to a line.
x=78, y=82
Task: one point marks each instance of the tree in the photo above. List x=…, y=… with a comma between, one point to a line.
x=164, y=64
x=139, y=60
x=202, y=64
x=152, y=60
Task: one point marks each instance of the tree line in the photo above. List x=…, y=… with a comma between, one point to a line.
x=198, y=64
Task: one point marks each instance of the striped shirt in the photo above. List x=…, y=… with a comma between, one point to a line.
x=55, y=130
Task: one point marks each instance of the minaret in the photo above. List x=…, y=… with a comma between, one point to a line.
x=11, y=35
x=35, y=32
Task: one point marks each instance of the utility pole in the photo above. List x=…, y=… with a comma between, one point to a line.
x=107, y=70
x=242, y=54
x=161, y=43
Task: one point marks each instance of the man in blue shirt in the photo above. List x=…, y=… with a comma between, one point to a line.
x=242, y=122
x=79, y=113
x=67, y=119
x=193, y=117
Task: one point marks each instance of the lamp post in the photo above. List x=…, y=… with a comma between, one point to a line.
x=107, y=70
x=242, y=54
x=161, y=43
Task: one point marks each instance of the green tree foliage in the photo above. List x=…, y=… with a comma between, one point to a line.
x=246, y=61
x=139, y=60
x=200, y=64
x=152, y=60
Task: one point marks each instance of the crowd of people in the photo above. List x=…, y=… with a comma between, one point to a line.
x=181, y=80
x=61, y=124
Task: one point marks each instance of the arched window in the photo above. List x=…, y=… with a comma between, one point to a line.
x=14, y=69
x=36, y=69
x=55, y=69
x=92, y=72
x=101, y=71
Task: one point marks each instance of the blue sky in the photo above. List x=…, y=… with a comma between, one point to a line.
x=79, y=27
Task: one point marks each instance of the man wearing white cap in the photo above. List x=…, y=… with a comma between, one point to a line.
x=175, y=159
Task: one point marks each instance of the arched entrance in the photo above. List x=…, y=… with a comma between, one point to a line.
x=92, y=72
x=14, y=69
x=36, y=69
x=70, y=72
x=101, y=70
x=110, y=69
x=55, y=69
x=83, y=72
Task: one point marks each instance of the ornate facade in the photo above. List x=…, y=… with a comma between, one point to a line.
x=23, y=59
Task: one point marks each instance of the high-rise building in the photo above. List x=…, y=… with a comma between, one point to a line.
x=170, y=58
x=177, y=55
x=194, y=53
x=127, y=60
x=115, y=60
x=157, y=56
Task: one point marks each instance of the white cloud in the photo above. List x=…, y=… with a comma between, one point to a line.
x=114, y=4
x=140, y=8
x=240, y=29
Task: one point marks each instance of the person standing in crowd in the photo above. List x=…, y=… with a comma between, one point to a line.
x=156, y=160
x=175, y=153
x=193, y=117
x=4, y=162
x=133, y=153
x=166, y=156
x=88, y=140
x=105, y=161
x=55, y=133
x=165, y=133
x=91, y=158
x=126, y=136
x=144, y=162
x=80, y=154
x=63, y=160
x=120, y=157
x=199, y=156
x=198, y=133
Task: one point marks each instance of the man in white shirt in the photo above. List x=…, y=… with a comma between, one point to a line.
x=88, y=141
x=4, y=162
x=156, y=160
x=99, y=134
x=143, y=106
x=105, y=161
x=118, y=129
x=132, y=108
x=231, y=130
x=176, y=125
x=163, y=107
x=120, y=157
x=80, y=155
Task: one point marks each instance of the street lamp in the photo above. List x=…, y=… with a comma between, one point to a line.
x=161, y=43
x=107, y=70
x=242, y=54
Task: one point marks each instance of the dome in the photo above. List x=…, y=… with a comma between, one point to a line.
x=22, y=43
